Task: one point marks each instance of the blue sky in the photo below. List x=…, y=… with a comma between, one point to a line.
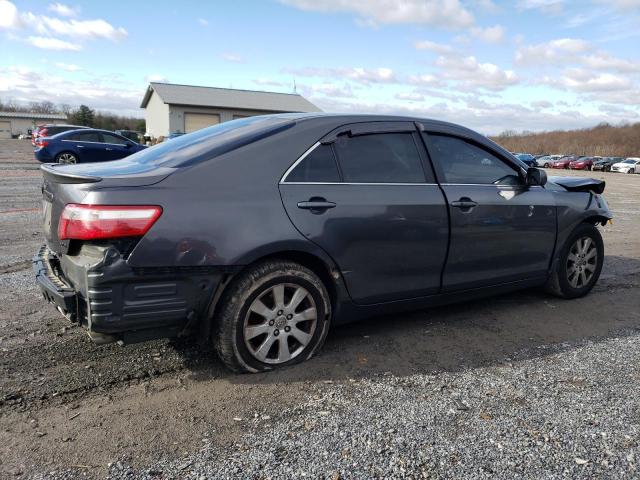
x=522, y=65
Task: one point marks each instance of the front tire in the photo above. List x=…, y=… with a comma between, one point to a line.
x=274, y=314
x=631, y=170
x=580, y=263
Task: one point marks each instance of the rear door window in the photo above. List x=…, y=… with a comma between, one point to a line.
x=114, y=139
x=379, y=158
x=462, y=162
x=318, y=166
x=85, y=137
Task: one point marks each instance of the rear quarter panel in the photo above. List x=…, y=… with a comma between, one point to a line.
x=226, y=211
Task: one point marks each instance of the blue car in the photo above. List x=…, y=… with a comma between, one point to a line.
x=86, y=145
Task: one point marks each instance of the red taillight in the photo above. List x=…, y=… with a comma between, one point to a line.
x=42, y=143
x=43, y=132
x=92, y=222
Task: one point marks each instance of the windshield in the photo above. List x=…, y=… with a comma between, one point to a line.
x=629, y=161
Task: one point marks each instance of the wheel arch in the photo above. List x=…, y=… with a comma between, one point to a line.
x=313, y=259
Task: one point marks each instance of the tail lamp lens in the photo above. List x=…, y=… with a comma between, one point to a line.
x=93, y=222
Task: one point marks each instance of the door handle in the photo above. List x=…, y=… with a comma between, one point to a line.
x=108, y=149
x=316, y=205
x=464, y=204
x=80, y=146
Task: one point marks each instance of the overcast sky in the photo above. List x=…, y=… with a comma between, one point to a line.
x=490, y=65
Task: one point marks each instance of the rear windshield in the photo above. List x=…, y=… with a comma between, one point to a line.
x=192, y=148
x=209, y=142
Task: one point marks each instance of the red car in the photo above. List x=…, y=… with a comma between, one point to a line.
x=50, y=130
x=563, y=162
x=582, y=163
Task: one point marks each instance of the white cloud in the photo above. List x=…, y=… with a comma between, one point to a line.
x=605, y=61
x=553, y=51
x=426, y=80
x=472, y=74
x=26, y=85
x=546, y=6
x=623, y=4
x=156, y=77
x=571, y=51
x=493, y=34
x=439, y=13
x=433, y=47
x=582, y=80
x=9, y=17
x=75, y=28
x=267, y=82
x=333, y=90
x=50, y=43
x=410, y=96
x=485, y=117
x=69, y=67
x=541, y=104
x=204, y=22
x=357, y=74
x=47, y=26
x=231, y=57
x=63, y=10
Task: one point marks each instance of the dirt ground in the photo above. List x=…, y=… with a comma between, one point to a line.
x=68, y=404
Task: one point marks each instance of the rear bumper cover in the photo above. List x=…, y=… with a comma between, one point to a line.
x=98, y=289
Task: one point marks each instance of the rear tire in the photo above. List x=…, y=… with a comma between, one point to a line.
x=579, y=265
x=67, y=158
x=276, y=313
x=631, y=170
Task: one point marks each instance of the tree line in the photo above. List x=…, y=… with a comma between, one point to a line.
x=81, y=115
x=603, y=140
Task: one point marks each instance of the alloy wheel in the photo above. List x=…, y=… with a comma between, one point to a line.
x=581, y=262
x=280, y=323
x=67, y=158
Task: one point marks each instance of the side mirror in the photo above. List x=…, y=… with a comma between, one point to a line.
x=536, y=176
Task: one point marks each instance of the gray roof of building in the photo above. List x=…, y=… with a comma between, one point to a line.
x=38, y=116
x=228, y=98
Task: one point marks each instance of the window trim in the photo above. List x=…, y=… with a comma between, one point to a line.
x=426, y=135
x=283, y=179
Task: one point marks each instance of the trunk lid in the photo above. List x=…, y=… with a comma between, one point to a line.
x=63, y=184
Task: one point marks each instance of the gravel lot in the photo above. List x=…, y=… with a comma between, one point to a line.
x=518, y=386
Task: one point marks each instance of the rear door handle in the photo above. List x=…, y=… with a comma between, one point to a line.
x=108, y=149
x=464, y=203
x=316, y=205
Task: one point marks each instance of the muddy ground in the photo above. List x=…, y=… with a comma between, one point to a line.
x=66, y=404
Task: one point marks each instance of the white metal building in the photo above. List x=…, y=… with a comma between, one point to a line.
x=13, y=124
x=171, y=108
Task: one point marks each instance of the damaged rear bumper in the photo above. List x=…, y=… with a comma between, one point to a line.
x=53, y=288
x=98, y=289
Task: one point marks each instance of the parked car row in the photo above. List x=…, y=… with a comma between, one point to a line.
x=575, y=162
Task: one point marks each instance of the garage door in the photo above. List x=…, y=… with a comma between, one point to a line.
x=5, y=129
x=196, y=121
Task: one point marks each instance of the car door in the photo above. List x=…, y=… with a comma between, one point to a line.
x=116, y=147
x=87, y=145
x=501, y=229
x=367, y=197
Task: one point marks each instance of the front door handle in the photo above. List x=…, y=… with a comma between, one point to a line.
x=464, y=204
x=108, y=149
x=316, y=205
